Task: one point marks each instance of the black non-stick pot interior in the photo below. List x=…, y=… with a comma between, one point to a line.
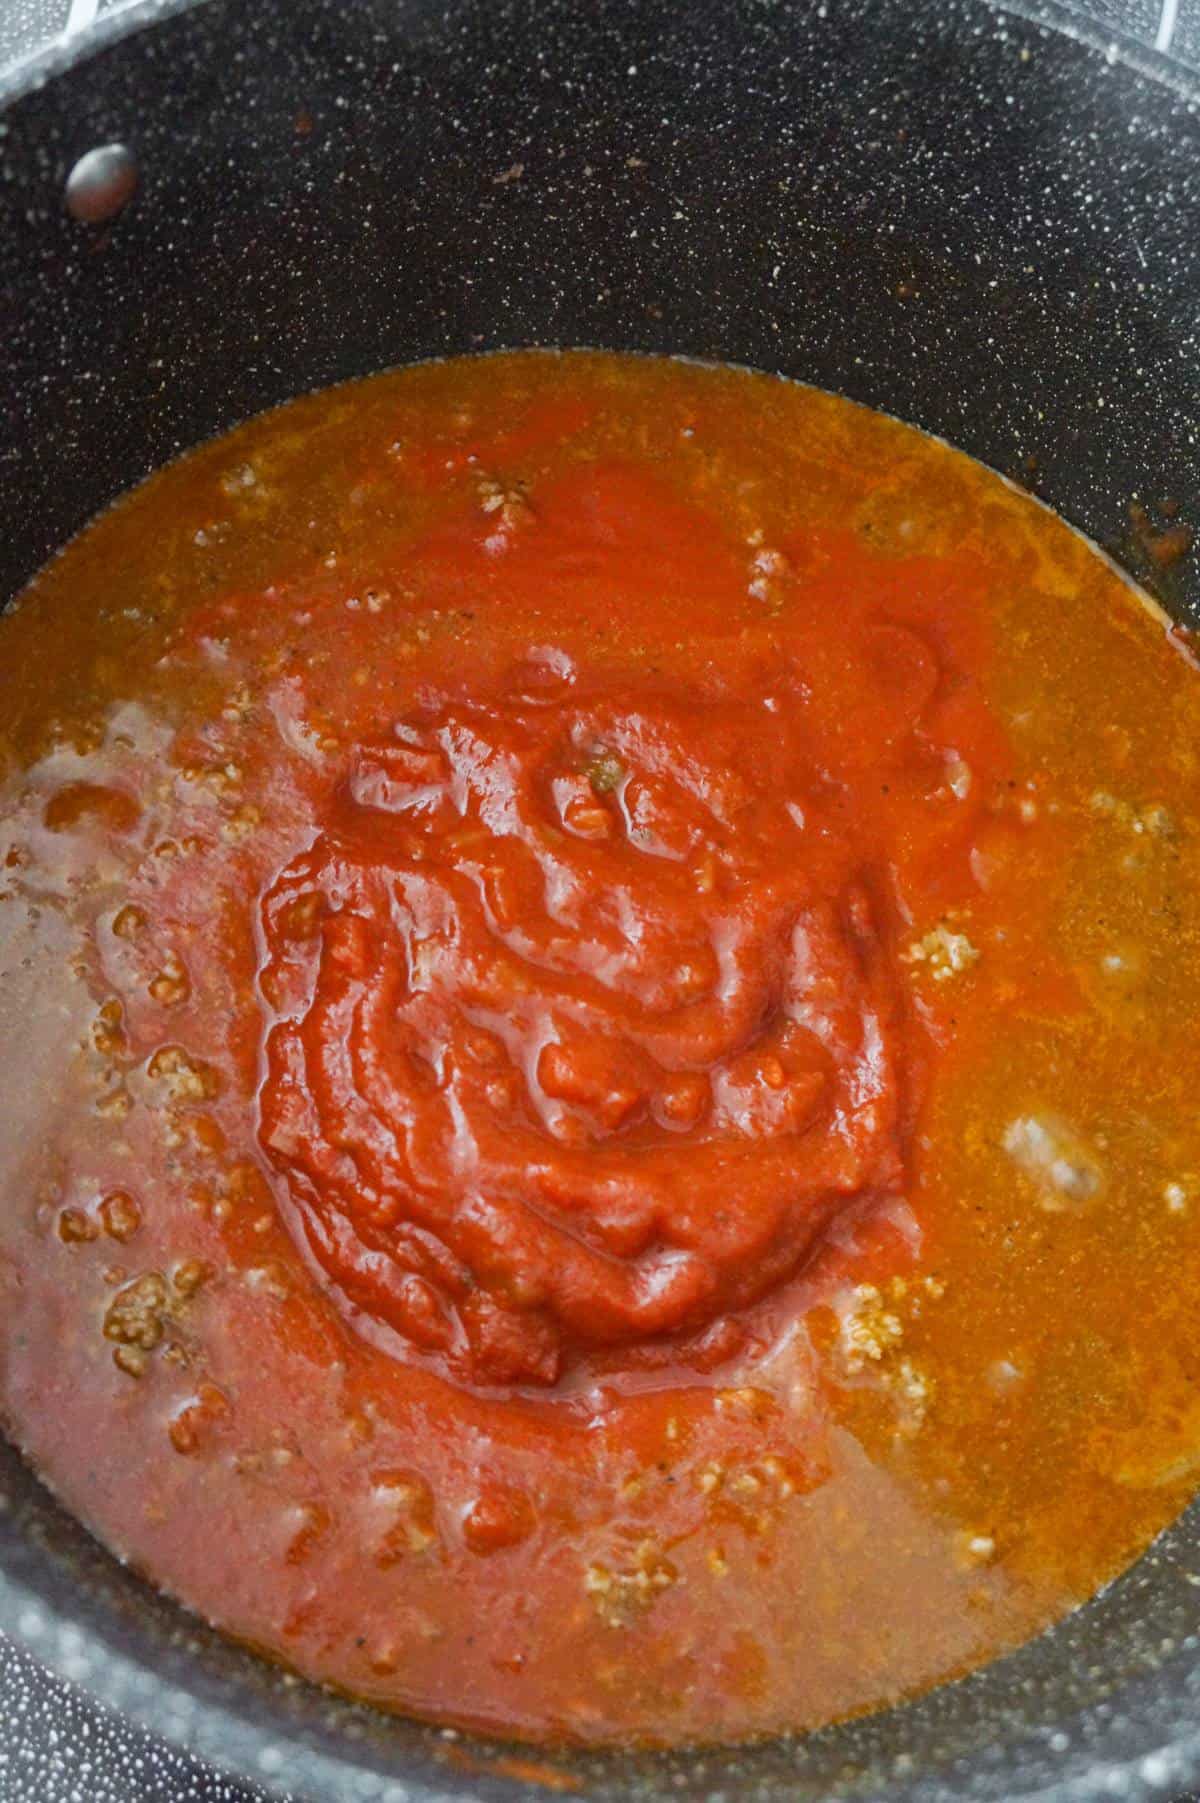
x=985, y=227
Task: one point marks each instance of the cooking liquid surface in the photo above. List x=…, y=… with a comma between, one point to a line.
x=598, y=966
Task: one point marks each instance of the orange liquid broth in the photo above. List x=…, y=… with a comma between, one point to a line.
x=598, y=966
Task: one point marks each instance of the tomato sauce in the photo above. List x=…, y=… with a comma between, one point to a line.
x=571, y=928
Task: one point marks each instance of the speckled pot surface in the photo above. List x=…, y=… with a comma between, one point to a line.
x=947, y=210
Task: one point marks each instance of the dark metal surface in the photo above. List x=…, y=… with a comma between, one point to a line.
x=57, y=1747
x=975, y=223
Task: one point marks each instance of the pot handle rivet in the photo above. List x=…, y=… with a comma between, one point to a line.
x=101, y=184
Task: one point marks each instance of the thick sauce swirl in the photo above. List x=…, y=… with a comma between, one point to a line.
x=582, y=1029
x=579, y=1036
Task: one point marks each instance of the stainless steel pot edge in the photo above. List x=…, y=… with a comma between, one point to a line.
x=25, y=74
x=1113, y=42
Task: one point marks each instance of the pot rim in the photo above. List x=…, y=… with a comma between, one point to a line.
x=284, y=1761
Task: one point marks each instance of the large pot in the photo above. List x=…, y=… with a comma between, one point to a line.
x=977, y=223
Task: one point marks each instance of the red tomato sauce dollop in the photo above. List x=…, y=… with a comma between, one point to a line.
x=583, y=1024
